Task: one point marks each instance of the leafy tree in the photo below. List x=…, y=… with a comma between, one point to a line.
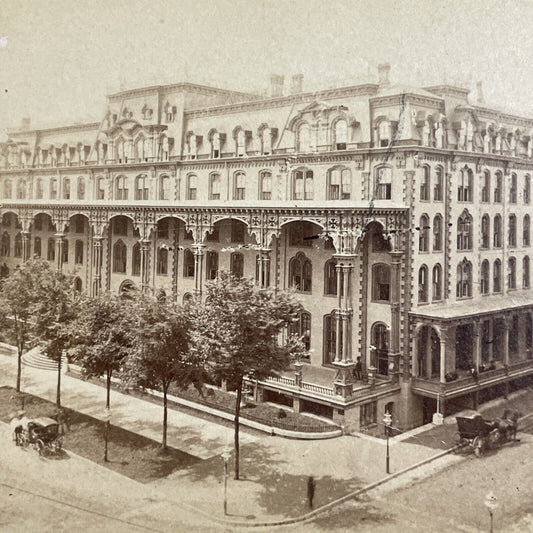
x=160, y=354
x=237, y=328
x=55, y=304
x=17, y=300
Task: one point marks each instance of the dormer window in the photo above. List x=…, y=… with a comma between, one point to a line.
x=147, y=112
x=384, y=133
x=215, y=145
x=266, y=138
x=193, y=146
x=241, y=143
x=341, y=134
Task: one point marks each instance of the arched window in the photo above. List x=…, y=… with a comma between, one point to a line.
x=237, y=264
x=162, y=261
x=119, y=257
x=139, y=149
x=65, y=250
x=163, y=143
x=21, y=189
x=485, y=277
x=464, y=190
x=497, y=241
x=7, y=189
x=383, y=183
x=211, y=265
x=464, y=279
x=78, y=253
x=437, y=188
x=191, y=187
x=497, y=276
x=425, y=184
x=136, y=260
x=51, y=250
x=380, y=344
x=141, y=187
x=512, y=273
x=525, y=272
x=303, y=138
x=526, y=231
x=330, y=339
x=39, y=189
x=78, y=284
x=423, y=236
x=513, y=189
x=37, y=247
x=302, y=328
x=512, y=230
x=53, y=189
x=66, y=188
x=120, y=151
x=485, y=187
x=300, y=273
x=18, y=245
x=423, y=284
x=216, y=145
x=121, y=188
x=527, y=189
x=100, y=188
x=485, y=231
x=464, y=232
x=341, y=134
x=188, y=263
x=380, y=282
x=81, y=188
x=302, y=188
x=239, y=186
x=498, y=187
x=5, y=249
x=339, y=184
x=214, y=187
x=330, y=277
x=164, y=187
x=437, y=282
x=265, y=180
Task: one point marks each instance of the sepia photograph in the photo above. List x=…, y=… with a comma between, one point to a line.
x=265, y=266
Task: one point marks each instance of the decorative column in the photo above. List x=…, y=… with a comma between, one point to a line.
x=26, y=247
x=442, y=356
x=264, y=267
x=199, y=254
x=506, y=342
x=477, y=346
x=394, y=345
x=60, y=243
x=344, y=378
x=98, y=261
x=145, y=264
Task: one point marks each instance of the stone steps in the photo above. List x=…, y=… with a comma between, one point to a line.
x=35, y=359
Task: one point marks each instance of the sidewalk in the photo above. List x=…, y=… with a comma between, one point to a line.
x=274, y=471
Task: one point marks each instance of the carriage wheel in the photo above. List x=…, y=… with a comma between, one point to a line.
x=479, y=446
x=43, y=449
x=457, y=439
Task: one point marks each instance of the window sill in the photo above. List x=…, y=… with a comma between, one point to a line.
x=462, y=298
x=386, y=302
x=423, y=303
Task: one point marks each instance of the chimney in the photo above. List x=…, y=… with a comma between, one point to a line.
x=480, y=99
x=383, y=73
x=276, y=85
x=25, y=124
x=297, y=84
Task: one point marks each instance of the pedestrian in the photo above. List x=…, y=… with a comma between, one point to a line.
x=310, y=491
x=16, y=428
x=358, y=369
x=62, y=421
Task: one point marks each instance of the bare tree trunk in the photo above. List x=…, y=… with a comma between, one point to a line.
x=108, y=396
x=58, y=392
x=19, y=365
x=165, y=417
x=237, y=414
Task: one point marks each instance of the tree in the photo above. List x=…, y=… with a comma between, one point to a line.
x=160, y=354
x=237, y=328
x=100, y=340
x=17, y=299
x=55, y=304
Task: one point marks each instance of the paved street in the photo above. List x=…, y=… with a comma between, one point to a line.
x=274, y=470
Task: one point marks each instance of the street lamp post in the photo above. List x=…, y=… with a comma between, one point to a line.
x=387, y=420
x=226, y=455
x=491, y=503
x=107, y=419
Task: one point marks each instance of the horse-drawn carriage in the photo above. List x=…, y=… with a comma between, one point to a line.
x=42, y=434
x=482, y=435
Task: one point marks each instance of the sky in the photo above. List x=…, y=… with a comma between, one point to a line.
x=59, y=58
